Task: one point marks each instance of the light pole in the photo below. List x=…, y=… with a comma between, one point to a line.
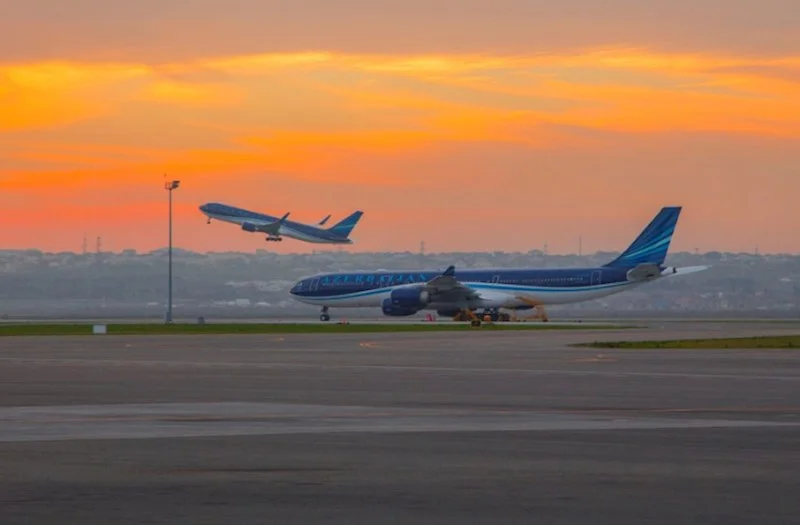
x=169, y=186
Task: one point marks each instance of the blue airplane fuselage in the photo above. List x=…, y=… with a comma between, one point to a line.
x=499, y=288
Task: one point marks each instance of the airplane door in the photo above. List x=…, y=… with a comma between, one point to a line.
x=313, y=286
x=496, y=279
x=595, y=278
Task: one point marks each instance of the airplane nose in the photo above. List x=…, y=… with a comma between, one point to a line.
x=204, y=207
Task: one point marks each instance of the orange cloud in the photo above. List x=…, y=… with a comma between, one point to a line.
x=379, y=123
x=172, y=92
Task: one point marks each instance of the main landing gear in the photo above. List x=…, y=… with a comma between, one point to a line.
x=324, y=316
x=493, y=315
x=274, y=238
x=465, y=315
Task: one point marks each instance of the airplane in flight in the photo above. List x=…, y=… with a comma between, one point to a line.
x=460, y=293
x=277, y=227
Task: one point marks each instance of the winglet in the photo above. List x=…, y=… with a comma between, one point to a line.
x=323, y=221
x=450, y=272
x=283, y=219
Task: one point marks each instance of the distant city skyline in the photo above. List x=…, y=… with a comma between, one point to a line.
x=121, y=251
x=470, y=126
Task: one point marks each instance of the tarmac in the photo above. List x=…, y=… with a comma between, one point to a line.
x=425, y=428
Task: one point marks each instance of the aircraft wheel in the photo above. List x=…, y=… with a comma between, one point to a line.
x=324, y=317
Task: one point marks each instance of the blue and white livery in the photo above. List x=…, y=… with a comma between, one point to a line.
x=452, y=293
x=276, y=228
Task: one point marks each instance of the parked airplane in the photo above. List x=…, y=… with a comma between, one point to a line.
x=404, y=293
x=275, y=227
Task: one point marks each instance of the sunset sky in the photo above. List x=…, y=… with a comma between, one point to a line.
x=471, y=125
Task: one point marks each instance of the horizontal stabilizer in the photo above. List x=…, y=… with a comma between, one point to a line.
x=649, y=272
x=669, y=271
x=644, y=272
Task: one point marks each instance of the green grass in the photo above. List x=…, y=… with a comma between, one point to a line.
x=267, y=328
x=771, y=342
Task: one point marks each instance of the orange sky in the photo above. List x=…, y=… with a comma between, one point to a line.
x=495, y=145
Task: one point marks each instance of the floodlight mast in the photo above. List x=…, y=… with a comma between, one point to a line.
x=169, y=186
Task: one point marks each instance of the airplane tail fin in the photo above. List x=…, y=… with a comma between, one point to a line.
x=652, y=244
x=346, y=225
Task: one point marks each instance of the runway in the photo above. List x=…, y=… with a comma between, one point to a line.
x=477, y=427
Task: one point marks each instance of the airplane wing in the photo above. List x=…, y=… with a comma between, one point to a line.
x=272, y=228
x=446, y=288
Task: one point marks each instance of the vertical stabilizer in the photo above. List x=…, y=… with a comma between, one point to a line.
x=653, y=243
x=346, y=225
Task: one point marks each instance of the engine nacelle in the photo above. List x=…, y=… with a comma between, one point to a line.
x=409, y=298
x=249, y=227
x=396, y=311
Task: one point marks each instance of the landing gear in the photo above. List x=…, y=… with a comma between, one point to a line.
x=495, y=315
x=273, y=238
x=465, y=315
x=324, y=317
x=208, y=221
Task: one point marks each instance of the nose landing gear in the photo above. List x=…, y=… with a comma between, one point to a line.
x=324, y=317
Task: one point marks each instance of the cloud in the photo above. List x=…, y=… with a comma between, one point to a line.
x=305, y=112
x=150, y=30
x=525, y=138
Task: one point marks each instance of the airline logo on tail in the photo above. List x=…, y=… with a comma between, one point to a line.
x=346, y=225
x=652, y=244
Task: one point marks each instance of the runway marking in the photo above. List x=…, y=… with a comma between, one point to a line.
x=368, y=344
x=600, y=358
x=400, y=368
x=174, y=420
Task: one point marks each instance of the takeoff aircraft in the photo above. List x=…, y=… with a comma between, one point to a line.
x=275, y=227
x=404, y=293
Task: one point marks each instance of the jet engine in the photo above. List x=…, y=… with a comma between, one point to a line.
x=408, y=298
x=249, y=227
x=397, y=311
